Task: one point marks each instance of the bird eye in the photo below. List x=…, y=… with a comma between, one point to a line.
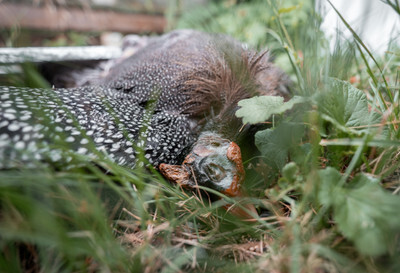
x=215, y=144
x=215, y=172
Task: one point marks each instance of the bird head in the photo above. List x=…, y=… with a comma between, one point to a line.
x=214, y=162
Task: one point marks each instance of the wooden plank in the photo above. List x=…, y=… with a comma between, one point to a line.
x=136, y=6
x=57, y=54
x=61, y=19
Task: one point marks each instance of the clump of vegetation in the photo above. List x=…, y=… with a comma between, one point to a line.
x=324, y=181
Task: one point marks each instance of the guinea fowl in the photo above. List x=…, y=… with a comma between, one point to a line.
x=173, y=100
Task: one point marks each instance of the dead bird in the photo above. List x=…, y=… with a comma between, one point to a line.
x=173, y=101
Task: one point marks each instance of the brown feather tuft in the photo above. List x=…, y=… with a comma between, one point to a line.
x=227, y=76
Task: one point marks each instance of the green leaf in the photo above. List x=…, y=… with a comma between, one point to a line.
x=288, y=9
x=364, y=212
x=275, y=144
x=261, y=108
x=329, y=192
x=346, y=107
x=290, y=171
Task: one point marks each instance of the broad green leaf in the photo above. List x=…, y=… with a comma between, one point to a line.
x=364, y=212
x=346, y=107
x=261, y=108
x=275, y=144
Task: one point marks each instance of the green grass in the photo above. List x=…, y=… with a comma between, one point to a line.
x=328, y=198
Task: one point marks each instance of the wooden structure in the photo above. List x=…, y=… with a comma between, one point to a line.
x=62, y=18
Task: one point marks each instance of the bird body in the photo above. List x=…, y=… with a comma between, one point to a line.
x=155, y=102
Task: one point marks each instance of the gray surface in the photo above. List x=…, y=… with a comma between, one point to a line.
x=55, y=54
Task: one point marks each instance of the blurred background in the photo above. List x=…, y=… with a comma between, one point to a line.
x=89, y=22
x=258, y=23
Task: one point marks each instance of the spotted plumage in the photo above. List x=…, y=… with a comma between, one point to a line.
x=155, y=102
